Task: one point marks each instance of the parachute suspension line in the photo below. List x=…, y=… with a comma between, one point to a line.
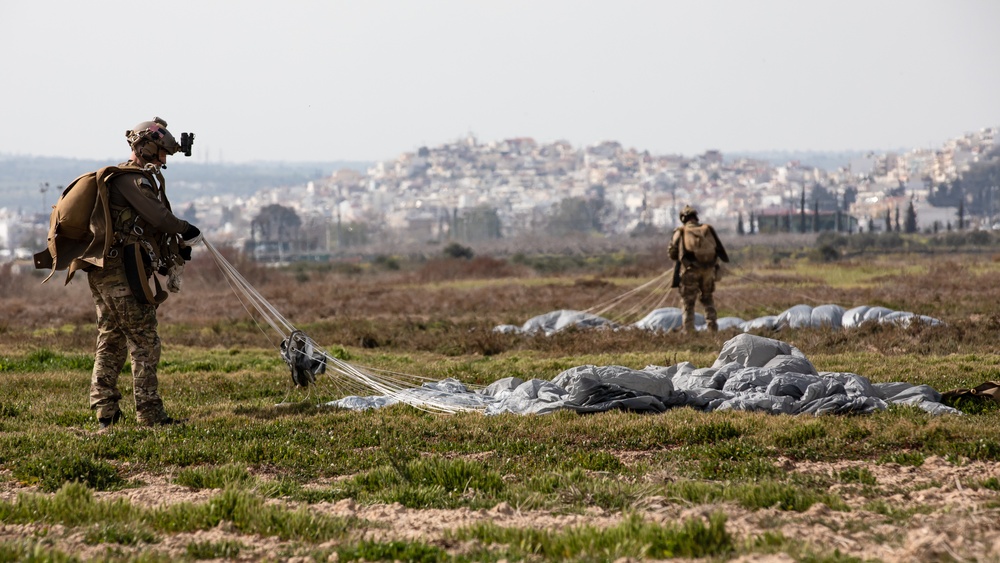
x=398, y=390
x=666, y=295
x=246, y=292
x=602, y=308
x=354, y=380
x=656, y=294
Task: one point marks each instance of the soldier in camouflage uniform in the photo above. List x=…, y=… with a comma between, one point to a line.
x=126, y=317
x=697, y=251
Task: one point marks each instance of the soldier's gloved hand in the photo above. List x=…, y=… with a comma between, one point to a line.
x=191, y=236
x=174, y=278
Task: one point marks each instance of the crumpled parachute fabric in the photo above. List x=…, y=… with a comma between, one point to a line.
x=669, y=318
x=751, y=373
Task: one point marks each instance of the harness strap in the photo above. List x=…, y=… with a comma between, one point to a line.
x=136, y=274
x=989, y=390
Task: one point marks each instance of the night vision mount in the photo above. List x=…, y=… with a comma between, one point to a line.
x=187, y=140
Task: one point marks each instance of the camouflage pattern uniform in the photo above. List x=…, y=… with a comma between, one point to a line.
x=696, y=280
x=126, y=326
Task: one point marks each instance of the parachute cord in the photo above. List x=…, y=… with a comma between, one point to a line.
x=648, y=291
x=651, y=297
x=656, y=290
x=666, y=295
x=601, y=308
x=343, y=375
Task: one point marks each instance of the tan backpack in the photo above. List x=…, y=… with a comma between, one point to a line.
x=699, y=242
x=82, y=211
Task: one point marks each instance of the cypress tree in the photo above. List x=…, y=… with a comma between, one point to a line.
x=910, y=223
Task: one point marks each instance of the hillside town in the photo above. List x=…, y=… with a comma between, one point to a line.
x=469, y=191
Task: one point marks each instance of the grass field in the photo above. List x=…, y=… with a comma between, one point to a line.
x=260, y=471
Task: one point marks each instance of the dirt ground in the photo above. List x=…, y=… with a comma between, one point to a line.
x=949, y=522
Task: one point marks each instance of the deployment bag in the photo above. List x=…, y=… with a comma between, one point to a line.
x=79, y=226
x=699, y=243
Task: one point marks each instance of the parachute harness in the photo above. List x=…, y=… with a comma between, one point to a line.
x=303, y=358
x=306, y=360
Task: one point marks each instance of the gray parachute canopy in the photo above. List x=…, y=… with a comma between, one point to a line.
x=751, y=373
x=669, y=318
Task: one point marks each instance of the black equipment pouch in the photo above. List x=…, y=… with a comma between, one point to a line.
x=138, y=273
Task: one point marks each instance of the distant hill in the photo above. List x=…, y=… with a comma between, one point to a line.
x=22, y=176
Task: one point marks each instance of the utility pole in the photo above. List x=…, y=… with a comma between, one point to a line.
x=43, y=187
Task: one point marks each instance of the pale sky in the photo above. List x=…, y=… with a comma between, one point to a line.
x=369, y=79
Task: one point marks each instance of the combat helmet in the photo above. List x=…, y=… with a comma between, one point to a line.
x=148, y=137
x=688, y=213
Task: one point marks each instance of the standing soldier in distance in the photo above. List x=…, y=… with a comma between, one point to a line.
x=697, y=250
x=144, y=227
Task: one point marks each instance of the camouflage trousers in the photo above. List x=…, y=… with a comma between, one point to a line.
x=698, y=282
x=125, y=328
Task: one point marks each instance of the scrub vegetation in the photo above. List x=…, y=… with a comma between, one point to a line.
x=264, y=471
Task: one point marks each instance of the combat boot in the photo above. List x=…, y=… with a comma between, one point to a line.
x=110, y=421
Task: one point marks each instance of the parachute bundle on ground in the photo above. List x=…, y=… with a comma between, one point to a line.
x=669, y=318
x=751, y=373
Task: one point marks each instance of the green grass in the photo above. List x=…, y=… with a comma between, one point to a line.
x=634, y=537
x=857, y=475
x=763, y=494
x=214, y=550
x=426, y=483
x=776, y=542
x=214, y=477
x=75, y=505
x=392, y=551
x=33, y=551
x=46, y=360
x=51, y=470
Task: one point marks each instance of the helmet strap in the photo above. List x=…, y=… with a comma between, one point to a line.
x=147, y=153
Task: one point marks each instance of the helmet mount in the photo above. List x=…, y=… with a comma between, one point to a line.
x=148, y=138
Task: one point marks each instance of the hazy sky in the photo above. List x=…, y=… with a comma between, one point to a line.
x=369, y=79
